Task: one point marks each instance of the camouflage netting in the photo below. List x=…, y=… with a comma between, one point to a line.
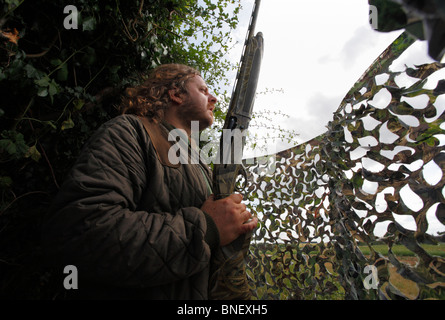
x=318, y=201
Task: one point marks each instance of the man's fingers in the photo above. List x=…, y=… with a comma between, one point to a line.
x=247, y=215
x=249, y=226
x=236, y=197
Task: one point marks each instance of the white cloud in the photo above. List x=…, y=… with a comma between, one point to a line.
x=314, y=51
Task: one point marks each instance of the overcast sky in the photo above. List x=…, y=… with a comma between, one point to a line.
x=315, y=51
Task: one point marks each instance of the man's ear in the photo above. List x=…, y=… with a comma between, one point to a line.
x=175, y=96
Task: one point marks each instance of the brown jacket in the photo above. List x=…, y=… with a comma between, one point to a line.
x=130, y=221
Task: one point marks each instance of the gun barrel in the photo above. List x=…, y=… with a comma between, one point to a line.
x=249, y=77
x=247, y=52
x=253, y=19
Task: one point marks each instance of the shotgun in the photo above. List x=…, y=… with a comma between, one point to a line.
x=228, y=166
x=230, y=277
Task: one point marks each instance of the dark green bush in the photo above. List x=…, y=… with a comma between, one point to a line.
x=57, y=85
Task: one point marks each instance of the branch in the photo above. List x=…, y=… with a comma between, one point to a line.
x=41, y=54
x=49, y=165
x=3, y=19
x=19, y=197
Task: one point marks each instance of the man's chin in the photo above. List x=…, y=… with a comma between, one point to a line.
x=206, y=124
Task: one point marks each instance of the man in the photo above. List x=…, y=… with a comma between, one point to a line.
x=134, y=224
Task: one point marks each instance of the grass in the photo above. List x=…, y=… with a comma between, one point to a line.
x=402, y=251
x=409, y=289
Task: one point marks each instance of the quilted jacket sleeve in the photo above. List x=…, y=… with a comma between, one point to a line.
x=97, y=227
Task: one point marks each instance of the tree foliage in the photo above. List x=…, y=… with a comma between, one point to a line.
x=59, y=84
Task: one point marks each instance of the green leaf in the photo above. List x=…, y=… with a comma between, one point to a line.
x=43, y=82
x=42, y=92
x=33, y=153
x=51, y=124
x=5, y=182
x=8, y=146
x=67, y=124
x=78, y=104
x=56, y=62
x=53, y=88
x=31, y=72
x=14, y=144
x=89, y=24
x=62, y=73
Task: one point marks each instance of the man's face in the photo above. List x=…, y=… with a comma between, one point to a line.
x=198, y=103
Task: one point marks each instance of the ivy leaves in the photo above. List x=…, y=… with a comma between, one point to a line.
x=59, y=84
x=47, y=86
x=13, y=144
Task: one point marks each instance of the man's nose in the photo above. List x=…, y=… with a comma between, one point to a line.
x=212, y=99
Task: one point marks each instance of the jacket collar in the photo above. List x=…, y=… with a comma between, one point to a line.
x=159, y=137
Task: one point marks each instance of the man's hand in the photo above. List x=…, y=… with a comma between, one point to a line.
x=230, y=216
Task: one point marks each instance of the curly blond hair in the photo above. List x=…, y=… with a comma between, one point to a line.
x=151, y=98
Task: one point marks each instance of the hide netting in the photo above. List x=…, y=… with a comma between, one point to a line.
x=376, y=177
